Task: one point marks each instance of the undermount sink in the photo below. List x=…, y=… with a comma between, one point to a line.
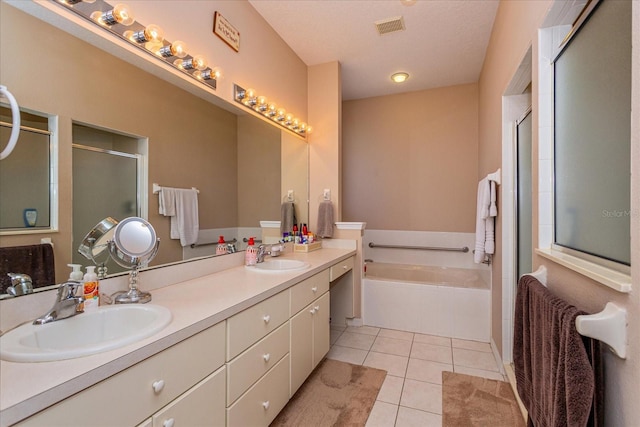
x=105, y=329
x=280, y=265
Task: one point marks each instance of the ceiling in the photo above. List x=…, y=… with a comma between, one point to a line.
x=443, y=44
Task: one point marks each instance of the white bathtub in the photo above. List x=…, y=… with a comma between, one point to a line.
x=451, y=302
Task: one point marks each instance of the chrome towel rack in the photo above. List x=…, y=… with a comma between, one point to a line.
x=421, y=248
x=608, y=326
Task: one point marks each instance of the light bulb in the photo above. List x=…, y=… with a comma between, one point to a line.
x=303, y=127
x=152, y=37
x=399, y=77
x=249, y=98
x=120, y=14
x=177, y=48
x=196, y=63
x=72, y=2
x=288, y=118
x=295, y=124
x=262, y=104
x=280, y=114
x=272, y=110
x=309, y=129
x=204, y=75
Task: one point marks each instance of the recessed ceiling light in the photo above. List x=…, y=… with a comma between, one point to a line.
x=399, y=77
x=408, y=2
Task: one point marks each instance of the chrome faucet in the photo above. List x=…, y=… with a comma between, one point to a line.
x=67, y=304
x=262, y=252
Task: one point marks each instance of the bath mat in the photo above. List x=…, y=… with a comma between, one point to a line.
x=335, y=394
x=473, y=401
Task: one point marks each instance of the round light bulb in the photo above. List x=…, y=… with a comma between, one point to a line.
x=280, y=114
x=199, y=63
x=295, y=124
x=262, y=103
x=120, y=14
x=288, y=118
x=153, y=33
x=303, y=127
x=309, y=129
x=177, y=48
x=272, y=110
x=217, y=73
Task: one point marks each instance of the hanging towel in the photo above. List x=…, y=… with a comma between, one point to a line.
x=181, y=205
x=287, y=217
x=35, y=260
x=493, y=209
x=325, y=219
x=167, y=201
x=482, y=213
x=552, y=361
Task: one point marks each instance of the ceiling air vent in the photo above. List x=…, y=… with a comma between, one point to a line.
x=390, y=25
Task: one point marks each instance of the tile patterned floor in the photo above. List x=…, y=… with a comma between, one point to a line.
x=412, y=391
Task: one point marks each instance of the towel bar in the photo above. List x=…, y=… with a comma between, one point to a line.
x=495, y=176
x=158, y=187
x=608, y=326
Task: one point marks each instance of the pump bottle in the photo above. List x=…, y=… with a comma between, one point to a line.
x=251, y=253
x=91, y=290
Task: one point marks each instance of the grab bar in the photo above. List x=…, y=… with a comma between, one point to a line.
x=422, y=248
x=195, y=245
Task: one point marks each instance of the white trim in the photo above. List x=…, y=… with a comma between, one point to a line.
x=351, y=225
x=270, y=224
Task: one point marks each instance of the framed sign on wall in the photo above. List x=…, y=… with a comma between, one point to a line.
x=227, y=32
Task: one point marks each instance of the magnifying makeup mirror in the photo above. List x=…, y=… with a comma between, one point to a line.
x=132, y=243
x=95, y=244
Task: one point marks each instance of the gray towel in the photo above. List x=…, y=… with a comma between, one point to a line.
x=325, y=219
x=287, y=217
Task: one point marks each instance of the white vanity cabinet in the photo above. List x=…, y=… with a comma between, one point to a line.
x=183, y=376
x=310, y=327
x=258, y=362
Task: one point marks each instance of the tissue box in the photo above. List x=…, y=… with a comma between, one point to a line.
x=299, y=247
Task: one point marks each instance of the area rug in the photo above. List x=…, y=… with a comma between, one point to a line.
x=473, y=401
x=335, y=394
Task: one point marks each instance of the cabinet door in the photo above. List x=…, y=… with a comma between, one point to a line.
x=301, y=347
x=203, y=404
x=321, y=328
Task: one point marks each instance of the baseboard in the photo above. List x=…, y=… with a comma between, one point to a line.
x=355, y=321
x=497, y=356
x=511, y=375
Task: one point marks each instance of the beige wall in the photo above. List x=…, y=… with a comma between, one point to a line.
x=410, y=160
x=515, y=29
x=325, y=143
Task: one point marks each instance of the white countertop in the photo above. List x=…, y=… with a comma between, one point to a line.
x=197, y=304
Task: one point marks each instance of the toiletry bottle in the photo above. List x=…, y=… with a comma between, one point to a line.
x=91, y=290
x=251, y=254
x=76, y=272
x=221, y=249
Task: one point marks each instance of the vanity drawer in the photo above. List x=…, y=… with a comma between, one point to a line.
x=202, y=405
x=341, y=268
x=249, y=366
x=130, y=395
x=262, y=402
x=308, y=290
x=248, y=326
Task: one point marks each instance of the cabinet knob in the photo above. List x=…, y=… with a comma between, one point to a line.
x=265, y=405
x=314, y=289
x=158, y=386
x=312, y=311
x=266, y=357
x=316, y=308
x=168, y=423
x=266, y=318
x=344, y=267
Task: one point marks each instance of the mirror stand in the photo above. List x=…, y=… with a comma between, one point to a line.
x=134, y=295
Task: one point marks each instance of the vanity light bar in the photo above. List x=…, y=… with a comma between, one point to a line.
x=118, y=20
x=260, y=104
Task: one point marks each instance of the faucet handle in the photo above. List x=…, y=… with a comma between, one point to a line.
x=68, y=289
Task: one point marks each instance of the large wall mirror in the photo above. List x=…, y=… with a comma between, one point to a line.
x=241, y=165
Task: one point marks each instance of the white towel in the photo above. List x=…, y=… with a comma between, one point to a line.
x=167, y=201
x=482, y=213
x=182, y=206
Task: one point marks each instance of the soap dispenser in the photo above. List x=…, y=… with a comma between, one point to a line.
x=76, y=272
x=91, y=290
x=251, y=253
x=221, y=248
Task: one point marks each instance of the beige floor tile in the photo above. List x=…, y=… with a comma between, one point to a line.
x=433, y=352
x=399, y=335
x=409, y=417
x=360, y=341
x=474, y=359
x=422, y=395
x=391, y=390
x=367, y=330
x=382, y=415
x=471, y=345
x=426, y=370
x=394, y=365
x=338, y=327
x=479, y=373
x=346, y=354
x=391, y=346
x=334, y=335
x=432, y=339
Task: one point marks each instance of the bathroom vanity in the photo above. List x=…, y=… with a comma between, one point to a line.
x=241, y=342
